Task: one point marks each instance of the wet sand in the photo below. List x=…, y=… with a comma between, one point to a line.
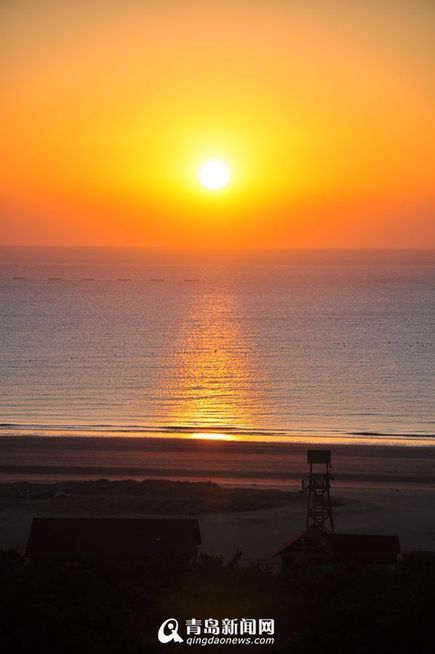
x=281, y=465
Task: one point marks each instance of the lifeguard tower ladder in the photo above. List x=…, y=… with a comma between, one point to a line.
x=319, y=509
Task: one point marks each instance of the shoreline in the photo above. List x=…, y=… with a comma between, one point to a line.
x=223, y=433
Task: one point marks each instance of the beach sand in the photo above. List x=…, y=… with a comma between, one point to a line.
x=256, y=507
x=258, y=533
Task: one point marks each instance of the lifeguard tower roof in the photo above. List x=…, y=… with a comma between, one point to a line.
x=319, y=456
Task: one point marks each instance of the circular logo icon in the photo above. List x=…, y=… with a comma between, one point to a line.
x=168, y=632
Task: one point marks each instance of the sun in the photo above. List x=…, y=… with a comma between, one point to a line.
x=213, y=175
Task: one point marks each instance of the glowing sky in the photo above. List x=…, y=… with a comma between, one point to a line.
x=322, y=110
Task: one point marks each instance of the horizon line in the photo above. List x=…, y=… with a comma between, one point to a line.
x=219, y=249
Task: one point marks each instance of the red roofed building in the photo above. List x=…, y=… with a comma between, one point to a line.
x=314, y=544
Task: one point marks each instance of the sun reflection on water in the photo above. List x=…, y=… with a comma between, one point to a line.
x=213, y=384
x=213, y=437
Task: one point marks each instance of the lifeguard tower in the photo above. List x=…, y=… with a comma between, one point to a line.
x=319, y=542
x=319, y=509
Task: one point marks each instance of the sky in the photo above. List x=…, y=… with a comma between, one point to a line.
x=323, y=112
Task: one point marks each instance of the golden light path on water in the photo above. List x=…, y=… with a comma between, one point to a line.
x=214, y=437
x=214, y=383
x=210, y=391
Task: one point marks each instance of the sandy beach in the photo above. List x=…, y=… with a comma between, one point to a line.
x=278, y=464
x=245, y=495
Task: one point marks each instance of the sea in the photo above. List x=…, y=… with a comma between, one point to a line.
x=256, y=345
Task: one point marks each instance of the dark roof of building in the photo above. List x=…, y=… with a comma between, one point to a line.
x=363, y=547
x=112, y=537
x=307, y=540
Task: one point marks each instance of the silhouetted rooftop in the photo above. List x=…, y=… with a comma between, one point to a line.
x=356, y=547
x=113, y=538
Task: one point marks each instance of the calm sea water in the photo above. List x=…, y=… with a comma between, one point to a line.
x=285, y=344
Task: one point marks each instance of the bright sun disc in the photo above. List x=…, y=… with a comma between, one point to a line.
x=213, y=175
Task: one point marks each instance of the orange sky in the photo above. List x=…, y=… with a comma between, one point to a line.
x=323, y=110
